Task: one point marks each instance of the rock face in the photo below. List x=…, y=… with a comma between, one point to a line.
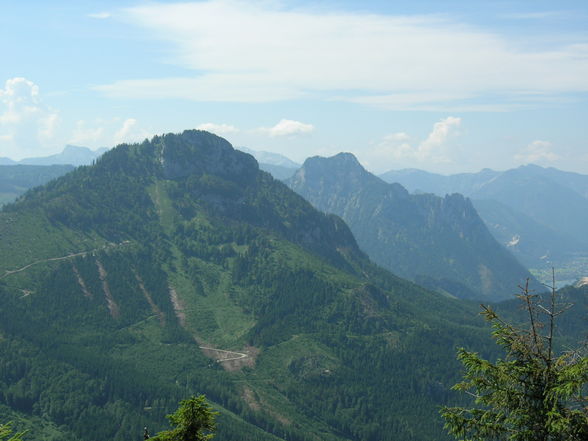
x=197, y=153
x=544, y=208
x=440, y=242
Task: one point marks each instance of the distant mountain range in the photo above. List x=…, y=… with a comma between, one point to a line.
x=438, y=242
x=279, y=166
x=176, y=267
x=539, y=213
x=71, y=154
x=16, y=179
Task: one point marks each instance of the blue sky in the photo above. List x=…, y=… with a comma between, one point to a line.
x=446, y=86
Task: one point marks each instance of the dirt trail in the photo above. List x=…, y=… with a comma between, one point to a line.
x=154, y=307
x=81, y=282
x=69, y=256
x=178, y=306
x=53, y=259
x=221, y=355
x=112, y=306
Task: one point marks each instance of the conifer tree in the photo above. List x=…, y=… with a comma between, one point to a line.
x=533, y=394
x=194, y=421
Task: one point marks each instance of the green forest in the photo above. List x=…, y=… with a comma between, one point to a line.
x=115, y=276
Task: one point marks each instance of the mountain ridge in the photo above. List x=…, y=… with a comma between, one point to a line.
x=182, y=238
x=422, y=237
x=70, y=155
x=542, y=209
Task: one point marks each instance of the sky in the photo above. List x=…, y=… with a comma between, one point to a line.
x=445, y=86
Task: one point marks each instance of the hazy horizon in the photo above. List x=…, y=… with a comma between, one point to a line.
x=442, y=86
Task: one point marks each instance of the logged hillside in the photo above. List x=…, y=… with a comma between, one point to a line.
x=175, y=267
x=438, y=242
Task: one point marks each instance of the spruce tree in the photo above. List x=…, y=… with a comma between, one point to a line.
x=194, y=421
x=532, y=394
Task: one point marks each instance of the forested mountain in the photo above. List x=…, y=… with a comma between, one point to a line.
x=176, y=267
x=538, y=212
x=16, y=179
x=438, y=242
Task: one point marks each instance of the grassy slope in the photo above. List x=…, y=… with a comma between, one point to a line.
x=336, y=355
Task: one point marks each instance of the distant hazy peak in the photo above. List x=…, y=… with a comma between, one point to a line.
x=70, y=155
x=343, y=168
x=341, y=161
x=270, y=158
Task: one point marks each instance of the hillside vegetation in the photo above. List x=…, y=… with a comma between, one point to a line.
x=122, y=283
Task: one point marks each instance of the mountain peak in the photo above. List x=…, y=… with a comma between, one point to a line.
x=341, y=163
x=199, y=152
x=341, y=159
x=70, y=148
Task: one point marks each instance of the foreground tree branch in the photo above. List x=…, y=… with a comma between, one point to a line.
x=531, y=394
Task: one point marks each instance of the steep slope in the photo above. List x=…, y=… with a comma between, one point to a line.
x=539, y=197
x=271, y=158
x=175, y=267
x=550, y=205
x=279, y=166
x=440, y=242
x=278, y=171
x=526, y=238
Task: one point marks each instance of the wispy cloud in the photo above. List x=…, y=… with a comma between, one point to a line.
x=100, y=15
x=108, y=132
x=287, y=127
x=397, y=147
x=86, y=135
x=130, y=132
x=538, y=151
x=219, y=129
x=258, y=52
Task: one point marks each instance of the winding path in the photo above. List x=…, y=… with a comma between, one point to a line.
x=54, y=259
x=231, y=355
x=222, y=354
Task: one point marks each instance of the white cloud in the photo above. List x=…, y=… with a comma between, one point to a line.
x=130, y=132
x=396, y=148
x=107, y=132
x=431, y=148
x=100, y=15
x=256, y=51
x=86, y=136
x=537, y=151
x=399, y=136
x=219, y=129
x=287, y=127
x=26, y=123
